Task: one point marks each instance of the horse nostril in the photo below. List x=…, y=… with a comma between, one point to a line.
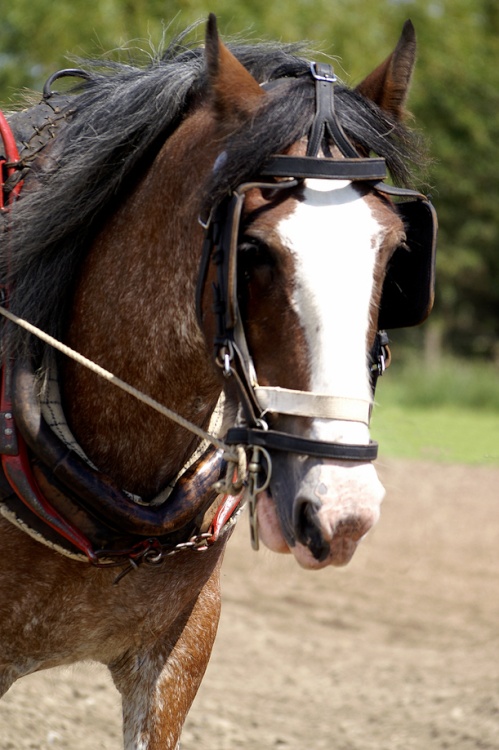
x=307, y=528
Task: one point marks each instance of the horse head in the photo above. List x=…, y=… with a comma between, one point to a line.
x=303, y=291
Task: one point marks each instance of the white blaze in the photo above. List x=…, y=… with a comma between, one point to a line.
x=334, y=239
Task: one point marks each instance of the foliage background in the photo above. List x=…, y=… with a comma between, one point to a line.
x=454, y=99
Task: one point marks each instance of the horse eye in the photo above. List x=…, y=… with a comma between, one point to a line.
x=253, y=254
x=256, y=264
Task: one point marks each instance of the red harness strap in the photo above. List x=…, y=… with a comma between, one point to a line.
x=7, y=163
x=15, y=459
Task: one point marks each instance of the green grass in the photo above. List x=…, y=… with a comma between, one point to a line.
x=450, y=414
x=454, y=383
x=442, y=433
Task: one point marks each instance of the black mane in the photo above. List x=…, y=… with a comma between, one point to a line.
x=122, y=115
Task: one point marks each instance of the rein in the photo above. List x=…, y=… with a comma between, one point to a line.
x=230, y=454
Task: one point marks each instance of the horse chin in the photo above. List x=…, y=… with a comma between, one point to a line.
x=334, y=544
x=269, y=528
x=340, y=553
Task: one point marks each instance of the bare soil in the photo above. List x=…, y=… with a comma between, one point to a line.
x=397, y=651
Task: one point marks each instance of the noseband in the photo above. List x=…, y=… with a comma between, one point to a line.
x=221, y=248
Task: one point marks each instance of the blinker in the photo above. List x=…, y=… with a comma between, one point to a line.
x=409, y=286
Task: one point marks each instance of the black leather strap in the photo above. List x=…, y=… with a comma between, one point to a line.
x=325, y=117
x=352, y=168
x=281, y=441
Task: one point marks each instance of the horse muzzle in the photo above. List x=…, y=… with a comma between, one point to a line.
x=319, y=510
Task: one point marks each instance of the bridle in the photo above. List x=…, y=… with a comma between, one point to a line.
x=230, y=343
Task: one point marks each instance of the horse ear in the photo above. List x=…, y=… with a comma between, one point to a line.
x=388, y=85
x=235, y=91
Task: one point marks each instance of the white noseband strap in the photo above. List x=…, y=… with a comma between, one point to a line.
x=315, y=405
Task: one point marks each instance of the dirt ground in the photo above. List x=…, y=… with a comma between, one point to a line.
x=397, y=651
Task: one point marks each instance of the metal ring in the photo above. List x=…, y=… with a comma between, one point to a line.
x=259, y=451
x=153, y=557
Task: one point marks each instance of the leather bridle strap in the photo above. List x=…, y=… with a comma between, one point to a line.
x=311, y=404
x=283, y=441
x=303, y=167
x=232, y=352
x=233, y=355
x=325, y=116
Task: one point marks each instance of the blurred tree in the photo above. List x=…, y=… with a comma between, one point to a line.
x=457, y=98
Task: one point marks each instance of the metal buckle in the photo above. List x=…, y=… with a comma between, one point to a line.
x=328, y=75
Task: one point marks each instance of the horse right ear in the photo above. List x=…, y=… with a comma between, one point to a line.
x=388, y=85
x=235, y=91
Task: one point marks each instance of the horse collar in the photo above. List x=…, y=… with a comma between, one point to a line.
x=54, y=495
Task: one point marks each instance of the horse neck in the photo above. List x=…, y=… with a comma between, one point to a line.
x=133, y=312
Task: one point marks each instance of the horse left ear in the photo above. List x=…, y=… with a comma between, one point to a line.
x=235, y=91
x=388, y=85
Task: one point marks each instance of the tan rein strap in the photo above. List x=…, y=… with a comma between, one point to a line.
x=118, y=382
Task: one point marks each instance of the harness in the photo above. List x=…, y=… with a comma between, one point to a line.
x=46, y=487
x=57, y=497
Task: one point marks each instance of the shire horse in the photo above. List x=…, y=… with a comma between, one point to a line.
x=265, y=336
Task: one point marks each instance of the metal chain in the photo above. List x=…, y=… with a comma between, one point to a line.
x=198, y=543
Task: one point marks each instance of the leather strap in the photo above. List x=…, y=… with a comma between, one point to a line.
x=310, y=404
x=325, y=117
x=353, y=169
x=399, y=192
x=8, y=192
x=281, y=441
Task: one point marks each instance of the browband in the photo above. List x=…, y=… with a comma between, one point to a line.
x=352, y=169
